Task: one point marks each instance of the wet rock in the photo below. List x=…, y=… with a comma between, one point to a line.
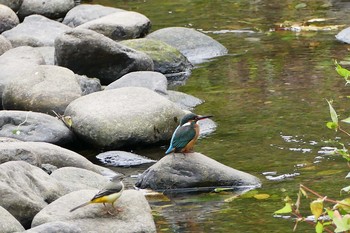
x=78, y=49
x=195, y=45
x=87, y=12
x=13, y=4
x=135, y=215
x=17, y=63
x=35, y=127
x=167, y=59
x=35, y=31
x=206, y=127
x=192, y=170
x=122, y=159
x=88, y=85
x=185, y=101
x=8, y=223
x=73, y=179
x=5, y=45
x=57, y=226
x=53, y=9
x=344, y=35
x=8, y=18
x=38, y=153
x=148, y=79
x=120, y=26
x=127, y=116
x=26, y=189
x=45, y=89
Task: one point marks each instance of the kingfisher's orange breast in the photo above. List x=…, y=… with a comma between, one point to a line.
x=190, y=145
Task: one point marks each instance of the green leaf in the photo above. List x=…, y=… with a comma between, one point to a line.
x=217, y=190
x=319, y=227
x=341, y=71
x=347, y=120
x=285, y=210
x=332, y=112
x=317, y=208
x=16, y=131
x=332, y=125
x=342, y=224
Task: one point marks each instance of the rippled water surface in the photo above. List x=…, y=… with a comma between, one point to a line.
x=268, y=98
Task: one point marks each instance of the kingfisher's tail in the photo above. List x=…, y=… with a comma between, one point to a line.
x=169, y=150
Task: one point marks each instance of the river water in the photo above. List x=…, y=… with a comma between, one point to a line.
x=268, y=96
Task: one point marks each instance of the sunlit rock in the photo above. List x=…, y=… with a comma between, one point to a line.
x=193, y=170
x=8, y=223
x=87, y=12
x=122, y=159
x=8, y=18
x=35, y=31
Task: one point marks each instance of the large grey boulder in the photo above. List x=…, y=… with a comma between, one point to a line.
x=87, y=12
x=8, y=223
x=17, y=63
x=35, y=31
x=8, y=18
x=152, y=80
x=13, y=4
x=48, y=53
x=55, y=227
x=35, y=127
x=195, y=45
x=47, y=88
x=167, y=59
x=95, y=55
x=193, y=171
x=26, y=189
x=40, y=153
x=74, y=179
x=5, y=45
x=53, y=9
x=127, y=116
x=135, y=215
x=121, y=25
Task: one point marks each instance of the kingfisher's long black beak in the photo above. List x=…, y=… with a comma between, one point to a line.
x=203, y=117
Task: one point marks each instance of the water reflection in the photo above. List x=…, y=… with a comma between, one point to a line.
x=269, y=90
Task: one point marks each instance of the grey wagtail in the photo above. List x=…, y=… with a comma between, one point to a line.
x=108, y=194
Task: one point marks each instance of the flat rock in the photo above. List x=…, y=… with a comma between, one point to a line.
x=193, y=171
x=26, y=189
x=53, y=9
x=74, y=179
x=46, y=89
x=34, y=127
x=5, y=45
x=120, y=26
x=135, y=215
x=344, y=35
x=13, y=4
x=17, y=63
x=196, y=46
x=167, y=59
x=39, y=153
x=57, y=226
x=128, y=116
x=8, y=18
x=185, y=101
x=35, y=31
x=78, y=49
x=123, y=159
x=148, y=79
x=8, y=223
x=87, y=12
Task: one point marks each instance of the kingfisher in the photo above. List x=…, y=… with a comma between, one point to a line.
x=186, y=134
